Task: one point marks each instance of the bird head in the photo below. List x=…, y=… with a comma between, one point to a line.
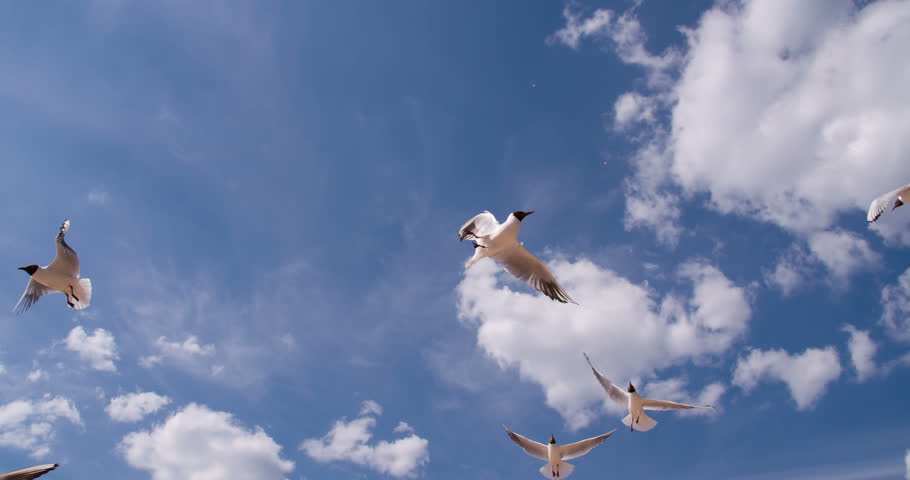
x=31, y=269
x=631, y=388
x=552, y=439
x=521, y=215
x=897, y=203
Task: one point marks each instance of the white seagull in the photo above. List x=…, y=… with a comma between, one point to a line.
x=501, y=242
x=62, y=275
x=554, y=454
x=637, y=419
x=29, y=473
x=878, y=206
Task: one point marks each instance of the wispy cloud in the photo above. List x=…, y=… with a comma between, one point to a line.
x=807, y=375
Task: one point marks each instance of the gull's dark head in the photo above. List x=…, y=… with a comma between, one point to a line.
x=631, y=388
x=552, y=439
x=521, y=215
x=31, y=269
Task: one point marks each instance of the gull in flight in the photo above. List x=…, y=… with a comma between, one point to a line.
x=878, y=206
x=500, y=241
x=29, y=473
x=62, y=275
x=637, y=419
x=554, y=454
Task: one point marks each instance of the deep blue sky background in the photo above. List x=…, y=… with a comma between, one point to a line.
x=244, y=171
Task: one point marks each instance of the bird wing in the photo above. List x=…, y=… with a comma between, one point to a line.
x=526, y=267
x=66, y=261
x=648, y=404
x=880, y=204
x=29, y=473
x=615, y=393
x=577, y=449
x=533, y=448
x=33, y=291
x=479, y=226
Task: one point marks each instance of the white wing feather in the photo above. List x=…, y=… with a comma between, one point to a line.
x=480, y=226
x=533, y=448
x=33, y=291
x=649, y=404
x=66, y=261
x=29, y=473
x=880, y=204
x=526, y=267
x=615, y=393
x=577, y=449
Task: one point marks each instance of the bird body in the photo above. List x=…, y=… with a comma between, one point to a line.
x=61, y=275
x=555, y=454
x=637, y=418
x=500, y=242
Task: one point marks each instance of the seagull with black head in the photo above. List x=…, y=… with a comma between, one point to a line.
x=500, y=242
x=554, y=454
x=61, y=275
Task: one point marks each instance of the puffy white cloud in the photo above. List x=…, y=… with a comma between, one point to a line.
x=197, y=443
x=133, y=407
x=842, y=253
x=349, y=441
x=187, y=351
x=807, y=375
x=36, y=374
x=787, y=112
x=625, y=328
x=29, y=425
x=99, y=348
x=896, y=307
x=862, y=352
x=403, y=427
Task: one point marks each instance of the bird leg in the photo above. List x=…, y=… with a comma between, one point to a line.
x=73, y=293
x=70, y=302
x=477, y=245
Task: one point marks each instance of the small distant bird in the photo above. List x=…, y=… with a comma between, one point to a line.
x=62, y=275
x=878, y=206
x=637, y=419
x=29, y=473
x=554, y=454
x=501, y=242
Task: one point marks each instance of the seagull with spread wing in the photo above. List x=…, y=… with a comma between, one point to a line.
x=554, y=454
x=29, y=473
x=62, y=275
x=879, y=205
x=500, y=241
x=636, y=419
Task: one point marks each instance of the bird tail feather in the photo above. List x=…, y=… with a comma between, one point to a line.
x=86, y=298
x=564, y=469
x=644, y=424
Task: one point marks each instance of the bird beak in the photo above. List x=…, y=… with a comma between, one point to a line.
x=528, y=213
x=21, y=268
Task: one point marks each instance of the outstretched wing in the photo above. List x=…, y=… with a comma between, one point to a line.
x=479, y=226
x=29, y=473
x=648, y=404
x=526, y=267
x=880, y=204
x=533, y=448
x=66, y=261
x=33, y=291
x=577, y=449
x=615, y=393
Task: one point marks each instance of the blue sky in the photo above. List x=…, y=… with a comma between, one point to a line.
x=266, y=197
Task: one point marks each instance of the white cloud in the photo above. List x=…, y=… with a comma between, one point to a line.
x=197, y=443
x=99, y=348
x=349, y=441
x=625, y=328
x=179, y=352
x=896, y=307
x=842, y=253
x=133, y=407
x=807, y=375
x=36, y=374
x=791, y=272
x=862, y=352
x=631, y=108
x=29, y=425
x=403, y=427
x=785, y=112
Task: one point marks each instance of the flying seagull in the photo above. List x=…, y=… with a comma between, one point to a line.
x=62, y=275
x=637, y=419
x=878, y=206
x=29, y=473
x=554, y=454
x=501, y=242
